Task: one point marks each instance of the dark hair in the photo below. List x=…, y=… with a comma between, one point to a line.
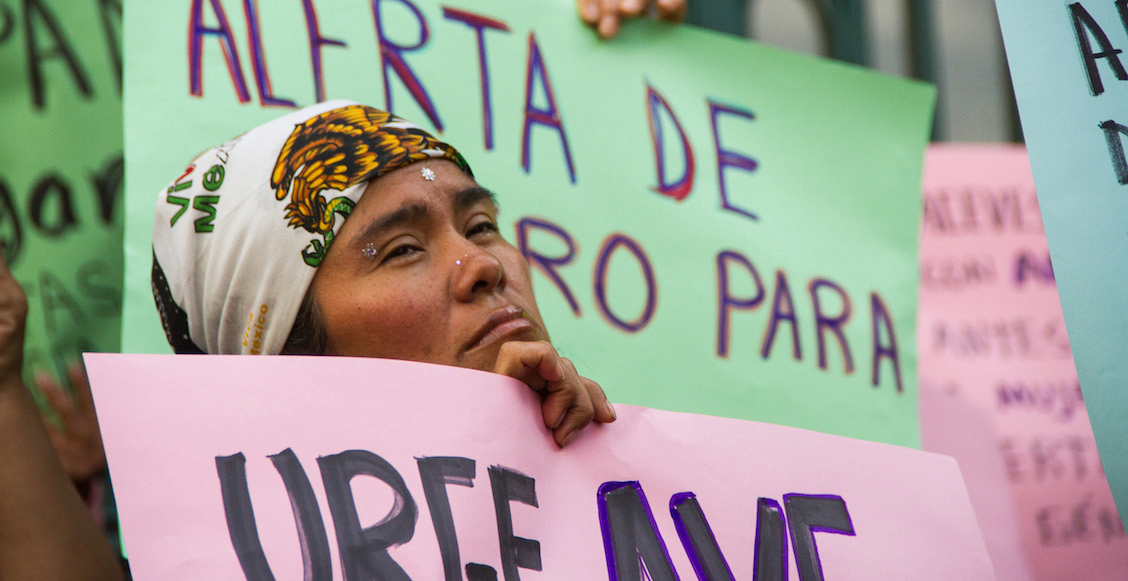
x=307, y=336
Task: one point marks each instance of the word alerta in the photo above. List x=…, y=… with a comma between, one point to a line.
x=633, y=546
x=538, y=88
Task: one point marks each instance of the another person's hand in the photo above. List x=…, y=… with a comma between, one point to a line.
x=606, y=15
x=13, y=314
x=76, y=438
x=570, y=401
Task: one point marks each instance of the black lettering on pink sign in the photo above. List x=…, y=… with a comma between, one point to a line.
x=436, y=473
x=771, y=543
x=241, y=517
x=364, y=550
x=808, y=514
x=630, y=536
x=698, y=539
x=509, y=485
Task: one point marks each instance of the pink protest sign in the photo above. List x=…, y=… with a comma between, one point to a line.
x=327, y=468
x=998, y=387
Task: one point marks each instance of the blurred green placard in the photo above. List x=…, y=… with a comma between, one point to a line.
x=61, y=173
x=714, y=226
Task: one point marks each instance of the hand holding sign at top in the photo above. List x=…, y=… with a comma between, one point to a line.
x=606, y=16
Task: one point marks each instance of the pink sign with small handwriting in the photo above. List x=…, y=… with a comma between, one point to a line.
x=998, y=388
x=319, y=468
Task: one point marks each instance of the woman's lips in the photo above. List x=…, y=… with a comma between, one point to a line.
x=502, y=323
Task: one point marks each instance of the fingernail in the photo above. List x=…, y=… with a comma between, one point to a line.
x=632, y=6
x=608, y=26
x=559, y=420
x=611, y=410
x=591, y=11
x=568, y=438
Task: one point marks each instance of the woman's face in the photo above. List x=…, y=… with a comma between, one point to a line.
x=419, y=271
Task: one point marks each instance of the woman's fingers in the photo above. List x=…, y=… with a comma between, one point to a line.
x=569, y=402
x=606, y=16
x=604, y=411
x=589, y=10
x=608, y=25
x=671, y=10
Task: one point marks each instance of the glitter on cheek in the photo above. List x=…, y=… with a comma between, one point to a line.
x=369, y=251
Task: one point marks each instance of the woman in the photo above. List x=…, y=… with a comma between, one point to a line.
x=267, y=263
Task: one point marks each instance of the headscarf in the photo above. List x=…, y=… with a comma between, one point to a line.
x=239, y=236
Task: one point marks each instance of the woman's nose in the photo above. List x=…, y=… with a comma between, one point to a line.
x=476, y=271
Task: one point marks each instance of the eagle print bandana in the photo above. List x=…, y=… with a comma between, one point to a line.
x=239, y=235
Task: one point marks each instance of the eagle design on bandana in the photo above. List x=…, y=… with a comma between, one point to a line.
x=338, y=149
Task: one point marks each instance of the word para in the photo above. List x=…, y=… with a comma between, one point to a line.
x=831, y=304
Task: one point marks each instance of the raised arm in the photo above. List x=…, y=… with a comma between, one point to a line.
x=46, y=533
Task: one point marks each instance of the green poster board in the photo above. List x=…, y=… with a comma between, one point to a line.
x=61, y=173
x=770, y=276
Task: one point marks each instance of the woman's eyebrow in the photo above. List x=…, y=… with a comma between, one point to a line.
x=411, y=213
x=467, y=198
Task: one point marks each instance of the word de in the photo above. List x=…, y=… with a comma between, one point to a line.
x=633, y=543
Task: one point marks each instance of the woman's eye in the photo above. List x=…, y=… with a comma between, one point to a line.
x=401, y=251
x=483, y=227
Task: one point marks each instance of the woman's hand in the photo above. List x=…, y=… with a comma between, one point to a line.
x=76, y=438
x=606, y=15
x=570, y=401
